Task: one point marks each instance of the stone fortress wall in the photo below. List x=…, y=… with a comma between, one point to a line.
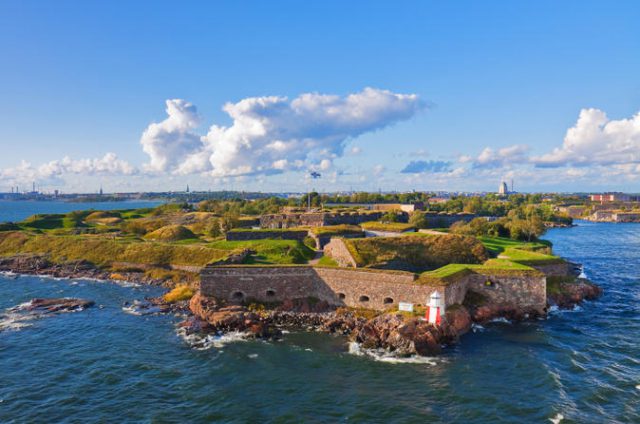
x=363, y=288
x=262, y=235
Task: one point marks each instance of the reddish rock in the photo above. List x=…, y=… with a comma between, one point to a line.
x=572, y=294
x=63, y=304
x=459, y=320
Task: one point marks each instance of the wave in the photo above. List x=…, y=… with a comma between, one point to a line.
x=206, y=342
x=557, y=419
x=502, y=320
x=382, y=355
x=141, y=307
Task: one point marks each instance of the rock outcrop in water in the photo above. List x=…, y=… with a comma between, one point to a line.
x=568, y=295
x=63, y=304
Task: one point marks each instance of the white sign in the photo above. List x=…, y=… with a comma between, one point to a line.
x=407, y=307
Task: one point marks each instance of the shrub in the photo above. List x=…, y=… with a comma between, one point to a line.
x=178, y=293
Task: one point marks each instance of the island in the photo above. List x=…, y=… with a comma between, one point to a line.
x=405, y=278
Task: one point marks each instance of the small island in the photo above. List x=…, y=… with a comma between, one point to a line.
x=404, y=277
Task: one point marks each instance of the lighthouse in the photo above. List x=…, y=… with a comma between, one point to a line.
x=435, y=310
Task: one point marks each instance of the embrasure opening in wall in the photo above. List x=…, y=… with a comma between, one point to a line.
x=364, y=298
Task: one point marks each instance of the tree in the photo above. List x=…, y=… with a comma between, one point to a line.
x=418, y=220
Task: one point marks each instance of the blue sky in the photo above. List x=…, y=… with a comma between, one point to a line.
x=447, y=81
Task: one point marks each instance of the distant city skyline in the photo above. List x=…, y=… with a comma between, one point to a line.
x=256, y=96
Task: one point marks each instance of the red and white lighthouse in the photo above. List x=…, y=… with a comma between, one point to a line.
x=435, y=310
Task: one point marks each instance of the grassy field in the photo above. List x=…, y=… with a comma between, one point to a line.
x=526, y=257
x=337, y=230
x=269, y=251
x=419, y=253
x=392, y=227
x=103, y=251
x=497, y=245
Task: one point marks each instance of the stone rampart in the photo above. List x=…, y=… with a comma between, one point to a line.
x=442, y=220
x=528, y=292
x=261, y=235
x=321, y=219
x=365, y=288
x=337, y=250
x=339, y=287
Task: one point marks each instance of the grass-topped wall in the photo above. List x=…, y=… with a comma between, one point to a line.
x=416, y=253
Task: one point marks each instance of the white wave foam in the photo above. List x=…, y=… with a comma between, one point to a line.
x=557, y=419
x=477, y=328
x=252, y=355
x=205, y=342
x=141, y=308
x=14, y=322
x=382, y=355
x=9, y=274
x=502, y=320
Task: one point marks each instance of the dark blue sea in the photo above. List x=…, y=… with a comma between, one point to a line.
x=105, y=364
x=18, y=210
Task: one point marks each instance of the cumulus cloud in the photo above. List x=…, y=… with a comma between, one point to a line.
x=490, y=158
x=596, y=140
x=420, y=166
x=52, y=171
x=272, y=134
x=172, y=142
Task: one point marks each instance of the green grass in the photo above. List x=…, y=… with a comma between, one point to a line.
x=444, y=275
x=51, y=221
x=497, y=245
x=103, y=251
x=417, y=252
x=392, y=227
x=527, y=257
x=269, y=251
x=327, y=261
x=337, y=230
x=454, y=272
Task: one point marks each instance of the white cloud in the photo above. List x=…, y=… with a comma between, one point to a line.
x=490, y=158
x=52, y=171
x=171, y=143
x=596, y=140
x=272, y=134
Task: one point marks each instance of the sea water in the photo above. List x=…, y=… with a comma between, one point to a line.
x=107, y=365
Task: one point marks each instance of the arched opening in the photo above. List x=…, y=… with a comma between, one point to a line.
x=387, y=301
x=342, y=296
x=271, y=293
x=237, y=295
x=364, y=298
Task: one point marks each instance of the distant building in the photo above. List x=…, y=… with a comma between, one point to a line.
x=611, y=197
x=503, y=189
x=379, y=206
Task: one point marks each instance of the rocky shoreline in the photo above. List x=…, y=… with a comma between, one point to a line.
x=40, y=265
x=399, y=333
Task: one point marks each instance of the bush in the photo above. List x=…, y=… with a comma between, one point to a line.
x=178, y=293
x=418, y=220
x=310, y=242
